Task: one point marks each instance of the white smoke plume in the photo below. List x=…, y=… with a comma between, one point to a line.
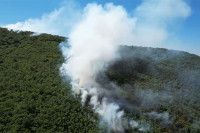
x=151, y=27
x=94, y=43
x=94, y=36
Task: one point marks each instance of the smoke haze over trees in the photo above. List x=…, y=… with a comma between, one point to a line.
x=101, y=78
x=157, y=89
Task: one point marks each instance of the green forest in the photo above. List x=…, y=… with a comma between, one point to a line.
x=35, y=99
x=167, y=81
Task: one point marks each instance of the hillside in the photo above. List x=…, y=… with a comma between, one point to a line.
x=156, y=86
x=159, y=86
x=33, y=97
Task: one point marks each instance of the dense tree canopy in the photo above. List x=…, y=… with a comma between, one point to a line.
x=33, y=97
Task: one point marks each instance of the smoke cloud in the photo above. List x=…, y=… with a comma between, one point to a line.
x=95, y=34
x=94, y=42
x=160, y=116
x=151, y=27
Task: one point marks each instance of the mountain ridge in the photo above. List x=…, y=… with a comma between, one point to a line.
x=160, y=87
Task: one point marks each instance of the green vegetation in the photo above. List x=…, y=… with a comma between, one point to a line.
x=33, y=97
x=171, y=78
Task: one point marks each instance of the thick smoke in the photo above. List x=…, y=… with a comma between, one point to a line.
x=95, y=39
x=94, y=44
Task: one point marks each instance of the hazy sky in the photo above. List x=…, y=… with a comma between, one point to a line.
x=184, y=32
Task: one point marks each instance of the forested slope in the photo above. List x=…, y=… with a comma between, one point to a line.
x=33, y=97
x=158, y=86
